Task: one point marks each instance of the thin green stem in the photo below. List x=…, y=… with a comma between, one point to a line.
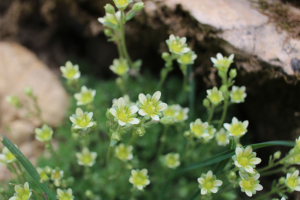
x=211, y=114
x=123, y=38
x=273, y=191
x=108, y=155
x=162, y=141
x=51, y=149
x=14, y=170
x=268, y=173
x=225, y=103
x=38, y=109
x=192, y=91
x=277, y=163
x=132, y=140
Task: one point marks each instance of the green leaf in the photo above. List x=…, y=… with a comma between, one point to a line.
x=228, y=154
x=28, y=166
x=219, y=168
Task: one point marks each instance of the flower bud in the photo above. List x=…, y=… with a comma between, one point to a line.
x=28, y=91
x=89, y=194
x=231, y=176
x=232, y=73
x=48, y=170
x=165, y=55
x=116, y=136
x=109, y=9
x=277, y=154
x=167, y=120
x=109, y=115
x=108, y=32
x=2, y=191
x=281, y=180
x=224, y=89
x=14, y=101
x=187, y=134
x=140, y=131
x=206, y=103
x=138, y=6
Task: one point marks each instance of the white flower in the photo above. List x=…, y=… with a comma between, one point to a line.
x=82, y=120
x=64, y=195
x=86, y=158
x=119, y=67
x=208, y=183
x=199, y=129
x=251, y=185
x=172, y=160
x=222, y=63
x=151, y=106
x=122, y=4
x=222, y=137
x=293, y=181
x=177, y=45
x=110, y=20
x=124, y=114
x=70, y=71
x=6, y=156
x=126, y=99
x=56, y=176
x=236, y=128
x=22, y=193
x=86, y=96
x=187, y=58
x=44, y=134
x=139, y=178
x=238, y=94
x=246, y=159
x=215, y=96
x=181, y=115
x=211, y=133
x=123, y=152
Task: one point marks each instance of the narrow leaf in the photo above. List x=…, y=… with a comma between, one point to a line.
x=28, y=166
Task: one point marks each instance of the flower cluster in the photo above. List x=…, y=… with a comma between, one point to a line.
x=177, y=113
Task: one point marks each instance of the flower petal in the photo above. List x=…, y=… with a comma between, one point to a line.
x=156, y=97
x=134, y=121
x=142, y=98
x=161, y=106
x=133, y=109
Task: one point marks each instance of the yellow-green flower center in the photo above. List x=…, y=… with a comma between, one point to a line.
x=171, y=160
x=123, y=153
x=123, y=114
x=56, y=175
x=246, y=185
x=9, y=157
x=139, y=179
x=215, y=97
x=208, y=184
x=176, y=46
x=86, y=97
x=237, y=129
x=121, y=69
x=87, y=158
x=237, y=95
x=111, y=19
x=122, y=2
x=243, y=160
x=150, y=108
x=70, y=72
x=186, y=58
x=198, y=129
x=292, y=182
x=180, y=116
x=222, y=138
x=45, y=135
x=169, y=112
x=297, y=158
x=83, y=121
x=65, y=196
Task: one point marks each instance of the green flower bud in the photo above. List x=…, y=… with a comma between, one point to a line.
x=292, y=169
x=165, y=55
x=138, y=6
x=109, y=9
x=232, y=73
x=167, y=120
x=108, y=32
x=281, y=180
x=140, y=131
x=28, y=91
x=89, y=194
x=187, y=134
x=14, y=101
x=2, y=191
x=48, y=170
x=277, y=154
x=206, y=103
x=224, y=89
x=231, y=176
x=116, y=136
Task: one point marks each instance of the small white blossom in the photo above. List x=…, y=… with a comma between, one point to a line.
x=238, y=94
x=124, y=114
x=7, y=157
x=86, y=158
x=110, y=20
x=208, y=183
x=222, y=137
x=82, y=120
x=292, y=181
x=44, y=134
x=222, y=63
x=187, y=58
x=64, y=194
x=250, y=185
x=123, y=152
x=199, y=129
x=211, y=133
x=56, y=176
x=126, y=99
x=246, y=159
x=177, y=45
x=122, y=4
x=70, y=71
x=215, y=96
x=86, y=96
x=151, y=106
x=236, y=128
x=119, y=67
x=139, y=178
x=22, y=193
x=172, y=160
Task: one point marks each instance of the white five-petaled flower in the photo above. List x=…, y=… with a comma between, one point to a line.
x=22, y=193
x=211, y=133
x=251, y=185
x=292, y=181
x=6, y=156
x=65, y=194
x=238, y=94
x=86, y=158
x=236, y=128
x=208, y=183
x=246, y=159
x=119, y=66
x=177, y=45
x=110, y=20
x=124, y=114
x=222, y=63
x=172, y=160
x=151, y=106
x=44, y=134
x=85, y=96
x=123, y=152
x=187, y=58
x=70, y=71
x=139, y=178
x=199, y=129
x=82, y=120
x=222, y=137
x=215, y=96
x=122, y=4
x=56, y=176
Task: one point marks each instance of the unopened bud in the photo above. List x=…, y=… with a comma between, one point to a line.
x=109, y=9
x=277, y=154
x=231, y=176
x=232, y=73
x=138, y=6
x=224, y=89
x=165, y=55
x=206, y=103
x=116, y=136
x=108, y=32
x=140, y=131
x=167, y=120
x=28, y=91
x=281, y=180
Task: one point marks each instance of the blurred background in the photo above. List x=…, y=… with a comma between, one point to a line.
x=39, y=36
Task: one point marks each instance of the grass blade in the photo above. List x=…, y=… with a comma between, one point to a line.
x=28, y=166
